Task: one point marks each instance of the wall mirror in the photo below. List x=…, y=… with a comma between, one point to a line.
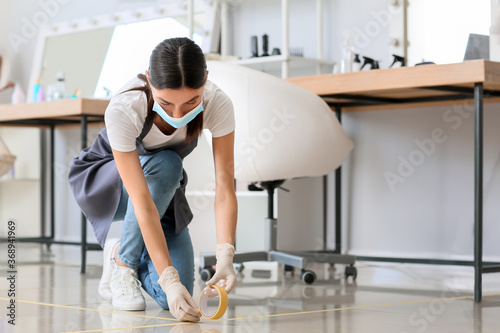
x=98, y=55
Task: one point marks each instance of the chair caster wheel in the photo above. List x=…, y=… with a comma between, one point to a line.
x=351, y=271
x=207, y=273
x=308, y=277
x=288, y=269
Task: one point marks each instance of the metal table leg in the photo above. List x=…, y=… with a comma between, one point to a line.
x=338, y=196
x=84, y=219
x=478, y=191
x=52, y=185
x=43, y=183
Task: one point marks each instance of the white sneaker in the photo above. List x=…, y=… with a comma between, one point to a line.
x=126, y=290
x=108, y=267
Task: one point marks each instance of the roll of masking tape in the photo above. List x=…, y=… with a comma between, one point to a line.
x=203, y=303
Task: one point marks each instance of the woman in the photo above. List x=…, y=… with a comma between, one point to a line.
x=133, y=172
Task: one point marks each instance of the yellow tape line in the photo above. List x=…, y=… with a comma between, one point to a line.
x=241, y=318
x=85, y=309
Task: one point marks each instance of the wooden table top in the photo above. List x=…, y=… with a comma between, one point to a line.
x=66, y=111
x=405, y=86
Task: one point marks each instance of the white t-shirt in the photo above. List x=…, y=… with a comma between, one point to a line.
x=126, y=114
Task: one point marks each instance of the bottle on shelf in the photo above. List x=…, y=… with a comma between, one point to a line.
x=370, y=62
x=265, y=45
x=36, y=89
x=399, y=61
x=60, y=89
x=38, y=92
x=356, y=64
x=346, y=63
x=76, y=94
x=18, y=95
x=254, y=46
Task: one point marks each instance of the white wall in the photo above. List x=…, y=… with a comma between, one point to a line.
x=430, y=213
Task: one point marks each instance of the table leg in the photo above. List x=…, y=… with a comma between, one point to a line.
x=84, y=219
x=478, y=191
x=338, y=196
x=43, y=183
x=52, y=186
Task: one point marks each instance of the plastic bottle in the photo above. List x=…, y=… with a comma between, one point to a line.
x=60, y=92
x=398, y=61
x=356, y=64
x=347, y=53
x=368, y=61
x=40, y=96
x=76, y=94
x=18, y=95
x=36, y=89
x=51, y=89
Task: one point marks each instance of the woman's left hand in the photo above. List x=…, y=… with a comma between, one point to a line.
x=224, y=269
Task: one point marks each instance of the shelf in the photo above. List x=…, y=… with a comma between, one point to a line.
x=274, y=62
x=283, y=63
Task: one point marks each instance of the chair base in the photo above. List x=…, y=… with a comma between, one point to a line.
x=209, y=260
x=299, y=259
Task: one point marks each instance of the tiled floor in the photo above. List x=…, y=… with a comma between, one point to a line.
x=52, y=296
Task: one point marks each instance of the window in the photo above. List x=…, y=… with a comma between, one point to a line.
x=438, y=30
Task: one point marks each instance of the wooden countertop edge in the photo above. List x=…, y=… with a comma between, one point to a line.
x=53, y=109
x=402, y=78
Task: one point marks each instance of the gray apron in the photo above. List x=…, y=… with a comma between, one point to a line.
x=97, y=186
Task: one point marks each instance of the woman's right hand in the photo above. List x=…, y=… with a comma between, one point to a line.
x=180, y=302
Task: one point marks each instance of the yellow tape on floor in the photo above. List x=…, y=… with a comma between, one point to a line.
x=85, y=309
x=240, y=318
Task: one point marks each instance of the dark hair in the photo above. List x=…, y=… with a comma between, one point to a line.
x=176, y=63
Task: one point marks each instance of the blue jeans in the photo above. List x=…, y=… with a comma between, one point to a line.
x=163, y=172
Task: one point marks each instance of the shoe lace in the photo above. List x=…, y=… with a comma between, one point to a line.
x=129, y=283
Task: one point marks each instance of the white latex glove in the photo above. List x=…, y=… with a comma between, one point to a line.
x=180, y=302
x=224, y=269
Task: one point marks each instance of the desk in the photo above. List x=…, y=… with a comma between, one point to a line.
x=48, y=115
x=426, y=85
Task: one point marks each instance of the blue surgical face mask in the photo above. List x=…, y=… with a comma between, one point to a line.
x=178, y=122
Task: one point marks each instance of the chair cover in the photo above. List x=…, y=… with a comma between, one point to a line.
x=282, y=131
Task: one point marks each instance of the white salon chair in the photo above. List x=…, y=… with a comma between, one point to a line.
x=282, y=132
